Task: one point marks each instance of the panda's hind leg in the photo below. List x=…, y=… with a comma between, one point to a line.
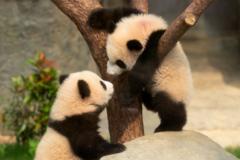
x=171, y=113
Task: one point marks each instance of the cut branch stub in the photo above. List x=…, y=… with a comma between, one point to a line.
x=190, y=19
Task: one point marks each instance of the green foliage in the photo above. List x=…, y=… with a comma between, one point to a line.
x=17, y=151
x=33, y=95
x=234, y=150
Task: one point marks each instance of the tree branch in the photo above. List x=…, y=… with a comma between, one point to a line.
x=140, y=4
x=78, y=11
x=181, y=24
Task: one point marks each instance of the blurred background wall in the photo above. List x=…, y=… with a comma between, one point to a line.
x=29, y=26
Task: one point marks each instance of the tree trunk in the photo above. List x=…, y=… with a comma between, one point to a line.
x=124, y=124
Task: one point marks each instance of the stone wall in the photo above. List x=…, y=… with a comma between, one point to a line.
x=29, y=26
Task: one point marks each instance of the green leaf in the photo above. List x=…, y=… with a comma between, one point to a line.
x=32, y=98
x=26, y=99
x=22, y=129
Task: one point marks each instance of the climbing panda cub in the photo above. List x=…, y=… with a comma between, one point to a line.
x=72, y=129
x=165, y=84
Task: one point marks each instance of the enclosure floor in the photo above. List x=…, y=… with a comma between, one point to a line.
x=215, y=109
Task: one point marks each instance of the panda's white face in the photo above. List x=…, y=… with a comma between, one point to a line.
x=81, y=92
x=127, y=41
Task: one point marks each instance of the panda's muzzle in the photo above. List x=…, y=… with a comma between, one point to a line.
x=113, y=69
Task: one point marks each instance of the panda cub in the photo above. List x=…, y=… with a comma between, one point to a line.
x=72, y=130
x=165, y=84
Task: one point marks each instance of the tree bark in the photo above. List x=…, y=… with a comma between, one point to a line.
x=125, y=123
x=140, y=4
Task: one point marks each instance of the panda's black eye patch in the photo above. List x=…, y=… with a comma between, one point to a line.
x=134, y=45
x=103, y=85
x=121, y=64
x=83, y=89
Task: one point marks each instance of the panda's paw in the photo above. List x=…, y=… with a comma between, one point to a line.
x=158, y=129
x=117, y=148
x=162, y=128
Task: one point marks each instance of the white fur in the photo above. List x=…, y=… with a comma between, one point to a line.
x=134, y=27
x=54, y=146
x=174, y=75
x=68, y=101
x=113, y=69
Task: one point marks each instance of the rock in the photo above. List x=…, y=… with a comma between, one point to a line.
x=186, y=145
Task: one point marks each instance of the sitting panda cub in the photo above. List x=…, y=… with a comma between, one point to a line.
x=72, y=130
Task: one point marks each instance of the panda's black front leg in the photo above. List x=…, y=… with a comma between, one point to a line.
x=143, y=71
x=105, y=148
x=96, y=148
x=110, y=148
x=130, y=89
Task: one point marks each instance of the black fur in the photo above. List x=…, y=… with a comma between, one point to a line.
x=172, y=113
x=121, y=64
x=83, y=89
x=103, y=85
x=85, y=141
x=106, y=19
x=134, y=45
x=62, y=78
x=143, y=70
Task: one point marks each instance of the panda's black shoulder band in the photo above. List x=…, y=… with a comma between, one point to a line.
x=106, y=18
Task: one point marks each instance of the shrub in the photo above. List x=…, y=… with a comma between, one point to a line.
x=18, y=151
x=33, y=95
x=234, y=150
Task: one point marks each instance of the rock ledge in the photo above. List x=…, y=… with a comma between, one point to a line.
x=186, y=145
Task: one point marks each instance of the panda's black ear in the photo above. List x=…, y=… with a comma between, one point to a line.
x=134, y=45
x=62, y=78
x=83, y=89
x=106, y=19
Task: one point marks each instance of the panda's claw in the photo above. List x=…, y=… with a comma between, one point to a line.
x=114, y=148
x=117, y=148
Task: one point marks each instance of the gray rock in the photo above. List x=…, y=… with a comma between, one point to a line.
x=186, y=145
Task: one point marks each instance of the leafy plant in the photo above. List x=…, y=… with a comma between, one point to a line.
x=33, y=95
x=234, y=150
x=18, y=151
